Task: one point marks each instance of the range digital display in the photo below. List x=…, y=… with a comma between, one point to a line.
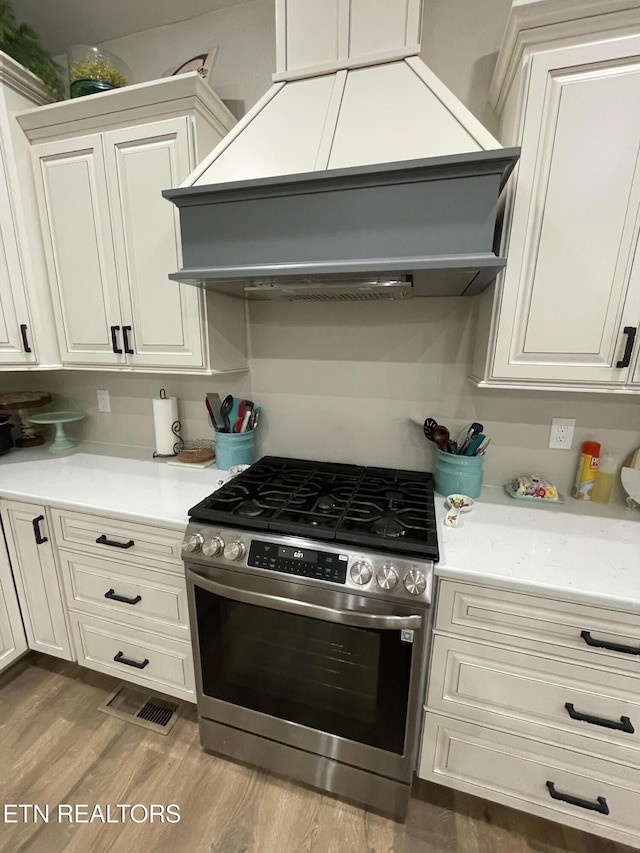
x=304, y=555
x=303, y=562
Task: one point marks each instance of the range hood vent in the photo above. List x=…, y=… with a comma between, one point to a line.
x=433, y=219
x=357, y=165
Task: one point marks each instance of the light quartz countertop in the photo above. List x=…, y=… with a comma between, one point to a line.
x=146, y=490
x=577, y=551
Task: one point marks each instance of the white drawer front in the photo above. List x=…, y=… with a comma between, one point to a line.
x=112, y=538
x=154, y=600
x=515, y=770
x=517, y=619
x=504, y=687
x=163, y=664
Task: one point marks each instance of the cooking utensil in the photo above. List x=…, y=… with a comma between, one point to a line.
x=483, y=447
x=467, y=436
x=441, y=437
x=255, y=417
x=237, y=423
x=248, y=414
x=225, y=410
x=428, y=426
x=214, y=404
x=474, y=444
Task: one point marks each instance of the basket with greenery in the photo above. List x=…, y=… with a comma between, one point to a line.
x=22, y=43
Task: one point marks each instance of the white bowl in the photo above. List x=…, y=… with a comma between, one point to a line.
x=467, y=502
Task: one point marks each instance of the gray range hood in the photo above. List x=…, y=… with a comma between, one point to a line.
x=358, y=177
x=362, y=231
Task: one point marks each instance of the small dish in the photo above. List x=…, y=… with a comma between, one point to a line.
x=532, y=499
x=461, y=502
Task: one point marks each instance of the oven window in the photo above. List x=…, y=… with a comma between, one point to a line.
x=350, y=682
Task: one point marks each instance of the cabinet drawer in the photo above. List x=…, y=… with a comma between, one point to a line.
x=145, y=658
x=515, y=771
x=507, y=688
x=559, y=627
x=118, y=538
x=154, y=600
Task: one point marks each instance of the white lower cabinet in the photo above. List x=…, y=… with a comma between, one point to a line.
x=535, y=702
x=126, y=596
x=143, y=657
x=102, y=590
x=31, y=551
x=13, y=641
x=585, y=791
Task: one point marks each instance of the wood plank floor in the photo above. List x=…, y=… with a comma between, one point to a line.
x=55, y=747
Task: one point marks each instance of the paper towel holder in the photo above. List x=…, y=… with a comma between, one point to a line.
x=176, y=426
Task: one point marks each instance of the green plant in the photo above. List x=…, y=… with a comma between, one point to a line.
x=22, y=43
x=96, y=69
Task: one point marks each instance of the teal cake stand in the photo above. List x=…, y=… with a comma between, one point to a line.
x=60, y=443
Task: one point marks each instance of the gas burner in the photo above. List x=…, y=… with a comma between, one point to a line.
x=388, y=526
x=250, y=509
x=325, y=503
x=394, y=495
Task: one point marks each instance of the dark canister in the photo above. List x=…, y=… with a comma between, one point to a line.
x=6, y=442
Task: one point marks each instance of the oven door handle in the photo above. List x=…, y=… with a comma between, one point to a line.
x=379, y=621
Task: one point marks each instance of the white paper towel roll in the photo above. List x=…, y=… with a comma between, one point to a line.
x=165, y=414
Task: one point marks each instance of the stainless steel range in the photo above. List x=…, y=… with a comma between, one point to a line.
x=309, y=596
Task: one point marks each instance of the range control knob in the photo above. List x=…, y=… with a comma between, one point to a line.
x=386, y=577
x=361, y=572
x=213, y=547
x=192, y=543
x=235, y=550
x=415, y=582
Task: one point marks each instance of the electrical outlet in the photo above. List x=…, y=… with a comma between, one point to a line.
x=561, y=435
x=104, y=403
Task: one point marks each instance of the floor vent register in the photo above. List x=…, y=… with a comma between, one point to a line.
x=142, y=708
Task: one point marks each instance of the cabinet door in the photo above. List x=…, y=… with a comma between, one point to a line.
x=13, y=303
x=164, y=317
x=13, y=642
x=74, y=210
x=570, y=287
x=39, y=589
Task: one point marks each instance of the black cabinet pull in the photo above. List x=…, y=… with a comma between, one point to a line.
x=599, y=806
x=120, y=658
x=25, y=342
x=624, y=725
x=125, y=337
x=630, y=332
x=40, y=539
x=102, y=540
x=111, y=594
x=114, y=339
x=614, y=647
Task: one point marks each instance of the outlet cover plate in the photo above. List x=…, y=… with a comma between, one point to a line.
x=104, y=403
x=561, y=435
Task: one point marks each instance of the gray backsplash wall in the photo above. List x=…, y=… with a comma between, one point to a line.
x=354, y=383
x=348, y=382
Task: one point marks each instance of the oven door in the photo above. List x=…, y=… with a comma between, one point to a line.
x=332, y=673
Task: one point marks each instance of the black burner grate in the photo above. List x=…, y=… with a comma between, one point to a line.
x=379, y=508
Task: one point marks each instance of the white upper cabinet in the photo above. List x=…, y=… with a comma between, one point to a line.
x=111, y=238
x=567, y=308
x=27, y=336
x=320, y=37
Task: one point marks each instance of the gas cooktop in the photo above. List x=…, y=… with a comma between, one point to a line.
x=381, y=508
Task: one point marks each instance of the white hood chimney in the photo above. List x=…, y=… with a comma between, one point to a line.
x=349, y=90
x=355, y=122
